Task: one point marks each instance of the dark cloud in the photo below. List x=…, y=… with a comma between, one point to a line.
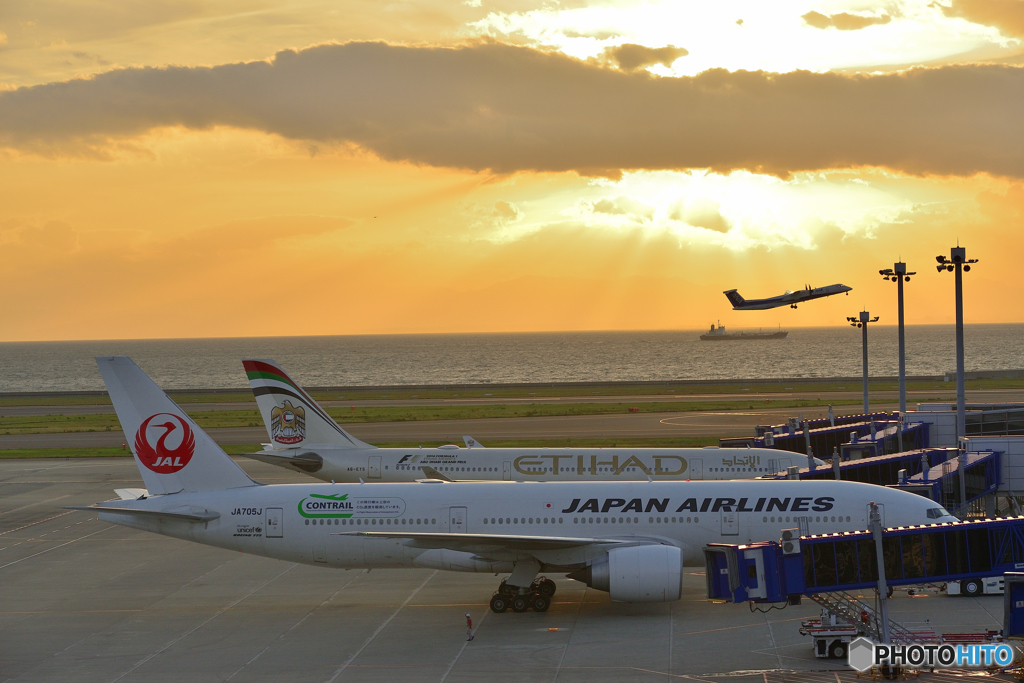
x=494, y=106
x=843, y=20
x=630, y=57
x=1006, y=15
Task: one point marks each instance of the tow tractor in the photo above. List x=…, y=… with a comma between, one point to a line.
x=832, y=633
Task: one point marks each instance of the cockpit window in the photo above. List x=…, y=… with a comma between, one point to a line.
x=936, y=513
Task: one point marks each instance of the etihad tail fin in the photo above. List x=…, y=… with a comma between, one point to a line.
x=172, y=452
x=734, y=298
x=292, y=417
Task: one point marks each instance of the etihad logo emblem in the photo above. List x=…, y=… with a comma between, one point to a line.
x=175, y=444
x=288, y=423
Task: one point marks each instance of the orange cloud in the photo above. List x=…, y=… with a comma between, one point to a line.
x=631, y=57
x=494, y=106
x=1006, y=15
x=844, y=21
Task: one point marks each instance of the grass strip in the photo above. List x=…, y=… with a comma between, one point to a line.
x=483, y=391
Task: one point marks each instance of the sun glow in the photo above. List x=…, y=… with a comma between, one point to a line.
x=752, y=35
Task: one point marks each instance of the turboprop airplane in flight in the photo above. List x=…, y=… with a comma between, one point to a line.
x=631, y=539
x=303, y=437
x=790, y=299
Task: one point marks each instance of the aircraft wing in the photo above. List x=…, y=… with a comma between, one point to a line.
x=550, y=550
x=481, y=542
x=204, y=516
x=431, y=473
x=307, y=462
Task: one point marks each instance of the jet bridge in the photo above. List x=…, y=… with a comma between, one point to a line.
x=884, y=470
x=944, y=484
x=782, y=571
x=931, y=472
x=854, y=437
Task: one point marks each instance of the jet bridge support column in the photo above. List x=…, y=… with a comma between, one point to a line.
x=962, y=467
x=899, y=425
x=875, y=526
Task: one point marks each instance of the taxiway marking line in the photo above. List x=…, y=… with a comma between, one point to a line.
x=199, y=626
x=42, y=552
x=575, y=624
x=462, y=649
x=380, y=628
x=11, y=531
x=41, y=502
x=295, y=625
x=771, y=637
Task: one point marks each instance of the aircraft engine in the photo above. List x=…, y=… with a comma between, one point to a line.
x=642, y=573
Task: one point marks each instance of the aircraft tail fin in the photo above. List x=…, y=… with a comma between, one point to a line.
x=291, y=415
x=734, y=298
x=172, y=452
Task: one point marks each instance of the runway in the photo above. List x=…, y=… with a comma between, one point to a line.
x=86, y=601
x=624, y=425
x=943, y=394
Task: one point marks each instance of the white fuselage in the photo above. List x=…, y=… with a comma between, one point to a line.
x=307, y=522
x=542, y=464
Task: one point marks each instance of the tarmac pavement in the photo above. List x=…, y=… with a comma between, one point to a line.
x=86, y=601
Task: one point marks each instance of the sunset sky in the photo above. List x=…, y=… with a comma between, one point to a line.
x=180, y=168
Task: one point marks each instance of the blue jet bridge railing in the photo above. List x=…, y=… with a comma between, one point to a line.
x=939, y=481
x=859, y=436
x=783, y=572
x=883, y=470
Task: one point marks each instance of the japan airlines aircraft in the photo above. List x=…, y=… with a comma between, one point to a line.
x=304, y=438
x=631, y=539
x=790, y=299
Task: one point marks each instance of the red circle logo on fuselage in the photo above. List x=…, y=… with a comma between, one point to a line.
x=163, y=458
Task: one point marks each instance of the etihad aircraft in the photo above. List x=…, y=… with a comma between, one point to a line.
x=304, y=438
x=790, y=299
x=631, y=539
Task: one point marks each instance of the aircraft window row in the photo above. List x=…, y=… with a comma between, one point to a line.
x=448, y=469
x=634, y=520
x=607, y=520
x=368, y=522
x=522, y=520
x=567, y=470
x=826, y=518
x=739, y=469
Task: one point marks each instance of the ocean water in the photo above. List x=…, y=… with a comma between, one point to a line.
x=373, y=360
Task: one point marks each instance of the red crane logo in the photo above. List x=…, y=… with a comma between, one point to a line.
x=161, y=459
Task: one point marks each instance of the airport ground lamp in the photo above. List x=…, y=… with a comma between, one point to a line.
x=861, y=320
x=958, y=263
x=898, y=274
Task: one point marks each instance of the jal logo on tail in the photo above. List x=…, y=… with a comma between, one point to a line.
x=164, y=458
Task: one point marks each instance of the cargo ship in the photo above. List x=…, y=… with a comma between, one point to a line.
x=719, y=334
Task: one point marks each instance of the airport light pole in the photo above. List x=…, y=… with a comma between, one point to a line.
x=898, y=274
x=958, y=263
x=861, y=320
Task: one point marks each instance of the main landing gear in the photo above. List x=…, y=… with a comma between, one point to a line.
x=537, y=597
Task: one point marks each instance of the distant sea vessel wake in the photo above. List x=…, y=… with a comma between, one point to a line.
x=719, y=334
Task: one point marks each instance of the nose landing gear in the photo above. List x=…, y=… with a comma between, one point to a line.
x=536, y=597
